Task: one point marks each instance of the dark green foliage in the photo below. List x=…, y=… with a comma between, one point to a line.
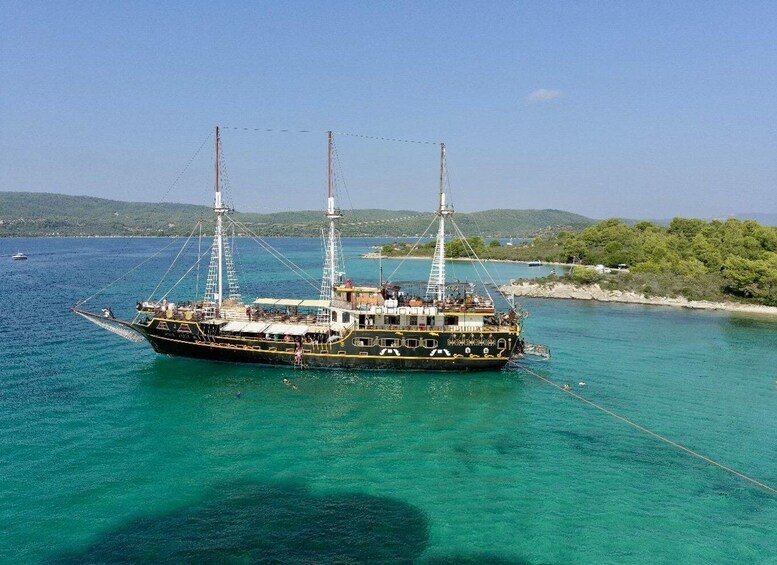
x=752, y=278
x=690, y=257
x=585, y=275
x=715, y=260
x=465, y=248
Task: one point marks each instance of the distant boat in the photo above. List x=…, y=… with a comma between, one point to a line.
x=535, y=263
x=509, y=243
x=19, y=257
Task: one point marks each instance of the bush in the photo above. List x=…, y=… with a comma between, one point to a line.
x=585, y=275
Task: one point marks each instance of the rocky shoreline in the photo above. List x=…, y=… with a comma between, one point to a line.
x=570, y=291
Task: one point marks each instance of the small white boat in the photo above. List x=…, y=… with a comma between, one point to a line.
x=535, y=263
x=19, y=257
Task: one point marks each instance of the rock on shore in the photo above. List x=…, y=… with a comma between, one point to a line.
x=595, y=292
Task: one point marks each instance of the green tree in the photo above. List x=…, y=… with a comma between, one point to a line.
x=685, y=227
x=752, y=278
x=585, y=275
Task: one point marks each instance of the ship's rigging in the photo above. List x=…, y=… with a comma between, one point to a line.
x=462, y=332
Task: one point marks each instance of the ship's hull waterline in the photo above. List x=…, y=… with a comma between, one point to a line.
x=445, y=351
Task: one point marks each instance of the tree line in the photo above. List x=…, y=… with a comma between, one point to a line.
x=741, y=256
x=690, y=257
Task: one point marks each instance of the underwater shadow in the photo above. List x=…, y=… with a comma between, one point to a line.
x=251, y=522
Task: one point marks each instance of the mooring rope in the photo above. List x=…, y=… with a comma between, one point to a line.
x=649, y=432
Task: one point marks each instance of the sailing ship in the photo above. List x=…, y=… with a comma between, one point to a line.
x=347, y=326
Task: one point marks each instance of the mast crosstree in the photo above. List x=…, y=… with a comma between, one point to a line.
x=221, y=252
x=435, y=289
x=333, y=267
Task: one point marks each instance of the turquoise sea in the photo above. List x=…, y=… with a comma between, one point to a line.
x=110, y=453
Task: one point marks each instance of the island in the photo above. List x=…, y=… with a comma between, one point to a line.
x=719, y=264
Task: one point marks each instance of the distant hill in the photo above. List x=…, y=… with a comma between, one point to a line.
x=47, y=214
x=760, y=217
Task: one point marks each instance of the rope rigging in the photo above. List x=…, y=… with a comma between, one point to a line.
x=468, y=246
x=225, y=184
x=299, y=271
x=189, y=270
x=180, y=252
x=423, y=235
x=345, y=134
x=358, y=223
x=183, y=171
x=161, y=201
x=120, y=277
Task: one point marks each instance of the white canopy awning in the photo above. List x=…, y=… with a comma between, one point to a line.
x=315, y=303
x=289, y=302
x=254, y=327
x=245, y=327
x=286, y=329
x=310, y=303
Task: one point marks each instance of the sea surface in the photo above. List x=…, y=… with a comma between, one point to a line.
x=111, y=453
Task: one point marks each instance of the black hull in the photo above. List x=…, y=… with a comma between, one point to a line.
x=436, y=351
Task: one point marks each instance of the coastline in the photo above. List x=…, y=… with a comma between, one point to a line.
x=567, y=291
x=373, y=255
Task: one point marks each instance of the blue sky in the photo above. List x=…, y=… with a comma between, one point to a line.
x=642, y=110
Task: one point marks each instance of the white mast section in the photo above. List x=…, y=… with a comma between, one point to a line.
x=435, y=289
x=218, y=210
x=214, y=291
x=331, y=252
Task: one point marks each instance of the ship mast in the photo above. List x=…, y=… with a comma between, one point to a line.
x=218, y=209
x=435, y=289
x=221, y=252
x=331, y=266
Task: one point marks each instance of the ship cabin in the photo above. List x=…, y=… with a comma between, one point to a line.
x=391, y=307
